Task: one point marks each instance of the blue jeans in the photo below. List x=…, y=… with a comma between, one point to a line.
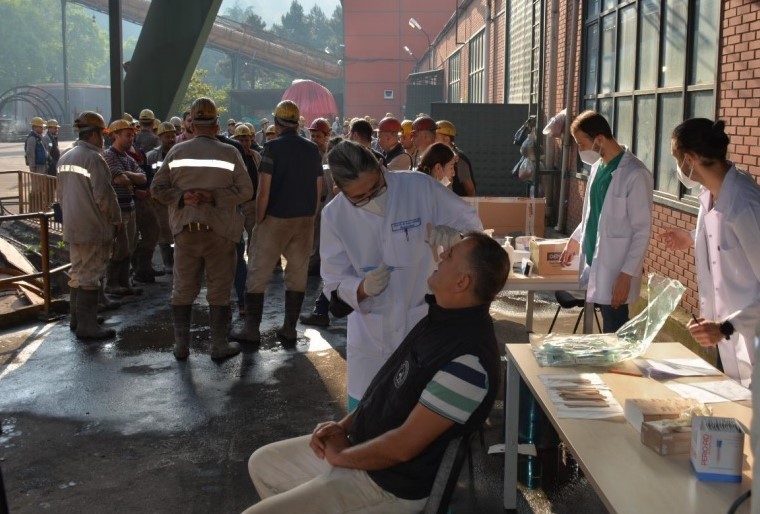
x=613, y=319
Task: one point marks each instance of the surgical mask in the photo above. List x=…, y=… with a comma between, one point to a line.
x=378, y=204
x=445, y=182
x=688, y=182
x=590, y=156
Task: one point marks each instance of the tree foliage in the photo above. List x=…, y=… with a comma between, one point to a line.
x=199, y=87
x=31, y=49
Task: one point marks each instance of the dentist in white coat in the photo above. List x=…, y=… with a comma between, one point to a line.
x=727, y=244
x=375, y=246
x=613, y=235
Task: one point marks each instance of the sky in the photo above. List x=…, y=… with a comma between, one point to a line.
x=271, y=11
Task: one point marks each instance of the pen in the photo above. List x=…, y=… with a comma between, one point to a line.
x=622, y=372
x=709, y=348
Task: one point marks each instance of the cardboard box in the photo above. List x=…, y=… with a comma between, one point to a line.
x=545, y=254
x=665, y=439
x=639, y=410
x=510, y=215
x=717, y=449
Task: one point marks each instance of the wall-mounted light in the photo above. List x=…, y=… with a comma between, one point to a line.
x=406, y=49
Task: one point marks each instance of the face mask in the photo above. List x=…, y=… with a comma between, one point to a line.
x=445, y=182
x=688, y=182
x=589, y=156
x=377, y=204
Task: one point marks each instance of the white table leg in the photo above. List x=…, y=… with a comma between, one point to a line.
x=588, y=318
x=511, y=410
x=529, y=311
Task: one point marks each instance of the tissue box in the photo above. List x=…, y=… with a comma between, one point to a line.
x=545, y=254
x=717, y=449
x=662, y=437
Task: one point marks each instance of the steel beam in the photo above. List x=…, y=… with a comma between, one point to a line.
x=166, y=55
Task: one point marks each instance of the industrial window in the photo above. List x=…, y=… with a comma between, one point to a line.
x=455, y=79
x=520, y=43
x=647, y=66
x=477, y=67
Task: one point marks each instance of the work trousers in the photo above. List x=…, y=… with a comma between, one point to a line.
x=290, y=478
x=613, y=319
x=125, y=241
x=291, y=237
x=88, y=264
x=146, y=220
x=165, y=235
x=195, y=252
x=249, y=213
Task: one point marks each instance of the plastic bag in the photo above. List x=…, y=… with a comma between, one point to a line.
x=556, y=125
x=524, y=131
x=630, y=341
x=527, y=167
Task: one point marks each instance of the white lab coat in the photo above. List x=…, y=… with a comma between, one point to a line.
x=625, y=224
x=727, y=251
x=354, y=239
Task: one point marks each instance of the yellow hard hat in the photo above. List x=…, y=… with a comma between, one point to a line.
x=242, y=130
x=118, y=125
x=38, y=122
x=270, y=130
x=52, y=122
x=147, y=115
x=89, y=120
x=286, y=113
x=166, y=126
x=406, y=127
x=203, y=111
x=445, y=128
x=128, y=117
x=231, y=121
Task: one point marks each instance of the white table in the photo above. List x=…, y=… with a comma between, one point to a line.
x=533, y=283
x=627, y=476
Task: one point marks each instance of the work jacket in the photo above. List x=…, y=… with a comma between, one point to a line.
x=625, y=224
x=727, y=254
x=354, y=241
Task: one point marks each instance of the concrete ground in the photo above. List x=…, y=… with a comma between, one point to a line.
x=120, y=426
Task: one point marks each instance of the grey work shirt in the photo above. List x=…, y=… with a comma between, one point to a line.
x=204, y=163
x=89, y=205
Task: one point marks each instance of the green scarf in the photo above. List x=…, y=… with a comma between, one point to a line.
x=596, y=198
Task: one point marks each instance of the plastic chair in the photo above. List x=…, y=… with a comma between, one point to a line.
x=568, y=300
x=448, y=475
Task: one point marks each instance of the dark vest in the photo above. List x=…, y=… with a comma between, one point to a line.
x=440, y=337
x=395, y=152
x=456, y=186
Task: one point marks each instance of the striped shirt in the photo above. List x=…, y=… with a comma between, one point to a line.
x=457, y=389
x=118, y=163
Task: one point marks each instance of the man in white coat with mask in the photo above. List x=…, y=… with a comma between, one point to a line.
x=376, y=253
x=613, y=235
x=727, y=244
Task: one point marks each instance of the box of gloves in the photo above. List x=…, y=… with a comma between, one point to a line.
x=717, y=448
x=545, y=254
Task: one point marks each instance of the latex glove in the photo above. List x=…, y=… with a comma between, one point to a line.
x=443, y=235
x=376, y=281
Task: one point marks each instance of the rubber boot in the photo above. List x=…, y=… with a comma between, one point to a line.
x=124, y=279
x=73, y=308
x=254, y=309
x=112, y=279
x=181, y=315
x=219, y=319
x=167, y=255
x=105, y=303
x=287, y=333
x=87, y=316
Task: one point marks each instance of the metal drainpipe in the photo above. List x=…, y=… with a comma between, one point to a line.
x=487, y=56
x=551, y=97
x=570, y=58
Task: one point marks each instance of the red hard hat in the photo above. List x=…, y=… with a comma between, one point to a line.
x=424, y=123
x=320, y=125
x=389, y=125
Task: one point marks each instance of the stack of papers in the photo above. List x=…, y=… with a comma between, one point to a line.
x=673, y=368
x=581, y=396
x=712, y=392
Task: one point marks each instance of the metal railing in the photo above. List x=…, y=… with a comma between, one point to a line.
x=43, y=219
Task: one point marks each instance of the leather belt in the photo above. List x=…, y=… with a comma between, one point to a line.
x=196, y=227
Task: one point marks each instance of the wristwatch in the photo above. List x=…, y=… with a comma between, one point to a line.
x=727, y=329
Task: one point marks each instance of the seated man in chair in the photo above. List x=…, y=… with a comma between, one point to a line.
x=438, y=385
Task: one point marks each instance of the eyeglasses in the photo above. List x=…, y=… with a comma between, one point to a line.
x=378, y=189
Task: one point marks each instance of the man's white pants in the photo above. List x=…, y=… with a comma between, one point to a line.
x=290, y=478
